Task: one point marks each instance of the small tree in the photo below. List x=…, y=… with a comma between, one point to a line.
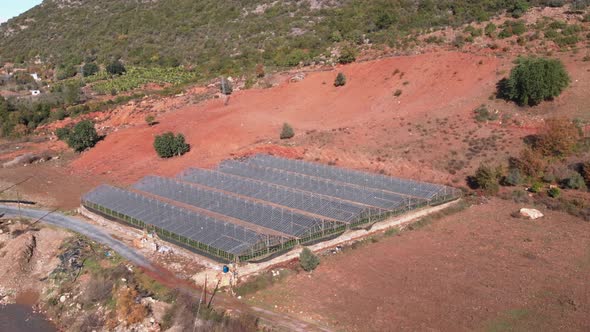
x=167, y=145
x=89, y=69
x=308, y=260
x=116, y=68
x=150, y=120
x=340, y=80
x=82, y=136
x=534, y=80
x=287, y=131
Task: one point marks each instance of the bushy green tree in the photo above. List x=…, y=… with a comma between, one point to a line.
x=308, y=260
x=340, y=80
x=116, y=68
x=534, y=80
x=167, y=145
x=89, y=69
x=287, y=131
x=82, y=136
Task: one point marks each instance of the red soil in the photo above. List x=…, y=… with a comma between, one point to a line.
x=478, y=270
x=437, y=85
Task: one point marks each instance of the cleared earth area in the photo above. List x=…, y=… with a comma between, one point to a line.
x=480, y=269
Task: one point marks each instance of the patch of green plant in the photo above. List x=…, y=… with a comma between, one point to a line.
x=287, y=132
x=136, y=77
x=340, y=80
x=554, y=192
x=482, y=114
x=308, y=260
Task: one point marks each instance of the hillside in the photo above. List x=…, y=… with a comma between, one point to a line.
x=225, y=36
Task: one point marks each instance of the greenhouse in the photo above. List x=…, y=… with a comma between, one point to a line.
x=253, y=208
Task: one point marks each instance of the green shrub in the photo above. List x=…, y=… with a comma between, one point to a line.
x=536, y=187
x=554, y=192
x=308, y=260
x=225, y=86
x=287, y=131
x=89, y=69
x=534, y=80
x=150, y=120
x=519, y=8
x=575, y=181
x=513, y=178
x=347, y=55
x=64, y=72
x=487, y=179
x=482, y=114
x=82, y=136
x=512, y=28
x=340, y=80
x=62, y=133
x=490, y=30
x=585, y=171
x=167, y=145
x=116, y=68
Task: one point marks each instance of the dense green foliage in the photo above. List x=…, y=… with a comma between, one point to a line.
x=81, y=137
x=222, y=37
x=534, y=80
x=340, y=80
x=167, y=145
x=135, y=77
x=287, y=131
x=308, y=260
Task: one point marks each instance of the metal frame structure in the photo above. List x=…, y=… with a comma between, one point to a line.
x=250, y=209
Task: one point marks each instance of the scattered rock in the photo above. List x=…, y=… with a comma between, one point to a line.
x=531, y=213
x=297, y=77
x=62, y=299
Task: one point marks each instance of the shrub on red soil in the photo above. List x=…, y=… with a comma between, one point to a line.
x=487, y=179
x=559, y=138
x=340, y=80
x=287, y=131
x=167, y=145
x=308, y=260
x=530, y=162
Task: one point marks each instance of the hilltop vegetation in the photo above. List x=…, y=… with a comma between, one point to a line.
x=226, y=37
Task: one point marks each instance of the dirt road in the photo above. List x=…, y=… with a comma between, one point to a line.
x=79, y=226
